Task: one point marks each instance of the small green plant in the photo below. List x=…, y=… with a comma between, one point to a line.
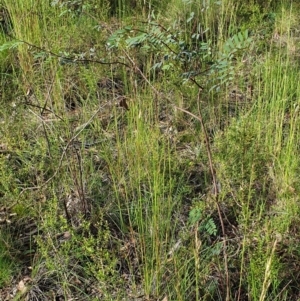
x=224, y=69
x=76, y=254
x=205, y=224
x=7, y=265
x=172, y=51
x=189, y=58
x=6, y=270
x=10, y=45
x=116, y=200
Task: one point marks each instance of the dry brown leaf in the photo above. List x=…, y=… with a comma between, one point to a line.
x=22, y=287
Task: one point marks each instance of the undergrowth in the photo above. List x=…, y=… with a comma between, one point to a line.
x=149, y=150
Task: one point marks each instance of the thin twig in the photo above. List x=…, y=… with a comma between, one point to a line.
x=26, y=103
x=42, y=111
x=80, y=185
x=64, y=152
x=215, y=190
x=141, y=73
x=67, y=58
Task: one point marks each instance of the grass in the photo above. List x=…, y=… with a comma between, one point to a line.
x=160, y=166
x=6, y=266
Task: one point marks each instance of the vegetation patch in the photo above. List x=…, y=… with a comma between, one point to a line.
x=149, y=150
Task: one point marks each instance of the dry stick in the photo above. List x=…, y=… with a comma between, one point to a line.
x=42, y=111
x=49, y=93
x=28, y=104
x=64, y=152
x=215, y=192
x=80, y=185
x=141, y=72
x=282, y=290
x=67, y=58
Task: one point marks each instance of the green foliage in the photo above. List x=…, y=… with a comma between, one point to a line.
x=77, y=252
x=10, y=45
x=174, y=52
x=204, y=223
x=101, y=160
x=223, y=68
x=77, y=7
x=6, y=264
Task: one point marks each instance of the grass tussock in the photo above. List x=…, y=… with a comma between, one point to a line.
x=149, y=150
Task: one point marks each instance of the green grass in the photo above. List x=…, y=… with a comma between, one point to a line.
x=102, y=202
x=6, y=267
